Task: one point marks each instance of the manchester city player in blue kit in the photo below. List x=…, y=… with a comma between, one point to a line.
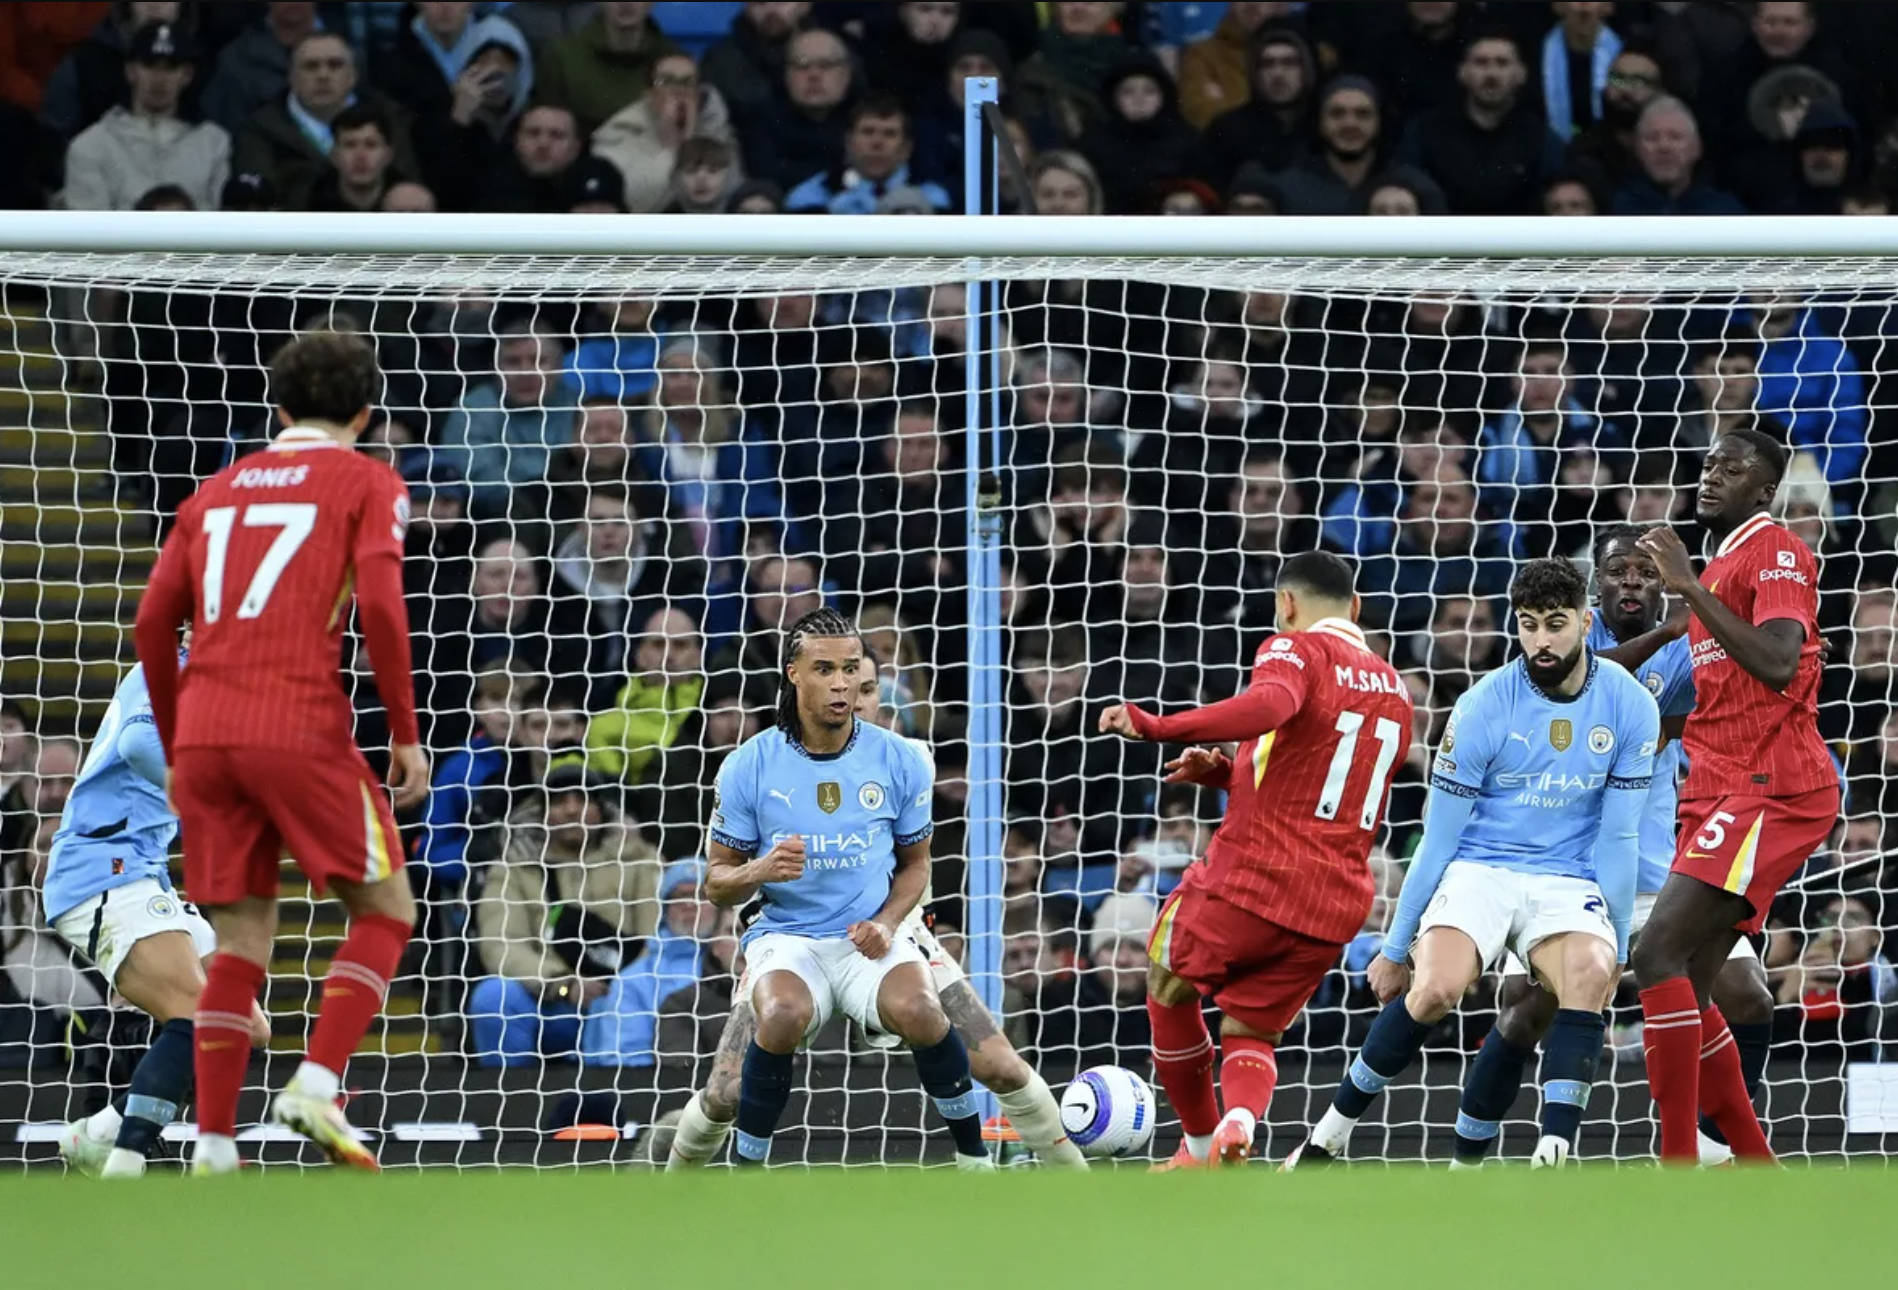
x=1627, y=623
x=827, y=817
x=108, y=893
x=1530, y=844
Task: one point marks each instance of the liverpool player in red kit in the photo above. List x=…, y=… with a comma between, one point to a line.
x=1761, y=794
x=1286, y=881
x=257, y=729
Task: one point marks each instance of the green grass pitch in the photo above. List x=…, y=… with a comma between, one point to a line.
x=1596, y=1227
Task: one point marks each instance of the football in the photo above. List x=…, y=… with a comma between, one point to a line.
x=1108, y=1111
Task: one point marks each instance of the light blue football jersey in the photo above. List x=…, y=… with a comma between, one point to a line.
x=117, y=827
x=853, y=809
x=1537, y=766
x=1669, y=677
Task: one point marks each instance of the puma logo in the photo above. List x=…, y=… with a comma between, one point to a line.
x=780, y=794
x=1514, y=734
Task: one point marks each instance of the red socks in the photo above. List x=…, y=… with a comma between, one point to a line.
x=353, y=991
x=1248, y=1073
x=1694, y=1066
x=1723, y=1090
x=1183, y=1061
x=221, y=1040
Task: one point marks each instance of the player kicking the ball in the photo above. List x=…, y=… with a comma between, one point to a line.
x=108, y=893
x=1530, y=843
x=1286, y=881
x=1627, y=628
x=827, y=817
x=1761, y=794
x=261, y=563
x=1024, y=1096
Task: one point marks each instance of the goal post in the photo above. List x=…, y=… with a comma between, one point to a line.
x=1123, y=424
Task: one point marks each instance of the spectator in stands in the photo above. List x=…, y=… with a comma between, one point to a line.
x=574, y=902
x=1445, y=547
x=1150, y=654
x=606, y=64
x=1522, y=446
x=1262, y=519
x=756, y=197
x=1215, y=73
x=1462, y=644
x=1668, y=151
x=717, y=472
x=362, y=155
x=748, y=66
x=406, y=197
x=876, y=162
x=692, y=1018
x=431, y=54
x=644, y=138
x=1578, y=56
x=902, y=535
x=1082, y=43
x=533, y=176
x=1420, y=64
x=1064, y=183
x=593, y=186
x=288, y=140
x=1571, y=194
x=911, y=58
x=1723, y=394
x=254, y=68
x=90, y=80
x=1141, y=139
x=601, y=455
x=629, y=740
x=704, y=176
x=470, y=795
x=502, y=618
x=1336, y=176
x=1607, y=146
x=55, y=766
x=1631, y=352
x=622, y=361
x=1866, y=691
x=504, y=432
x=1072, y=543
x=610, y=574
x=1490, y=151
x=461, y=134
x=133, y=149
x=1827, y=144
x=1812, y=383
x=1270, y=125
x=676, y=802
x=621, y=1029
x=780, y=589
x=34, y=41
x=802, y=133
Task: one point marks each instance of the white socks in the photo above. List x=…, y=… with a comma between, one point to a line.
x=215, y=1154
x=696, y=1138
x=319, y=1082
x=1031, y=1109
x=123, y=1164
x=1199, y=1145
x=1333, y=1132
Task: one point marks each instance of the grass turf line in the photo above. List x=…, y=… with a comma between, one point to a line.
x=909, y=1229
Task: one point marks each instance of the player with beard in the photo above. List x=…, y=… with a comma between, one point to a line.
x=1530, y=844
x=1627, y=620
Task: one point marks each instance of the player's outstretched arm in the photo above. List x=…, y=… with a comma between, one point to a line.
x=140, y=747
x=1446, y=811
x=164, y=608
x=1265, y=707
x=1768, y=652
x=1617, y=851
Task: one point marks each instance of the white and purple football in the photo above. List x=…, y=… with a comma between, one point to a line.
x=1108, y=1111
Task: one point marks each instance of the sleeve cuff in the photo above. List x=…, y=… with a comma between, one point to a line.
x=909, y=839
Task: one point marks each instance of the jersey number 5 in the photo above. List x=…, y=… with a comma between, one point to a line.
x=294, y=522
x=1389, y=736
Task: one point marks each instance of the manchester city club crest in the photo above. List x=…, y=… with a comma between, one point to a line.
x=1601, y=740
x=870, y=796
x=1654, y=684
x=161, y=906
x=1561, y=733
x=830, y=796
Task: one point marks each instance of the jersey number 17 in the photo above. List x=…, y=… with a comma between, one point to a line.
x=294, y=522
x=1390, y=739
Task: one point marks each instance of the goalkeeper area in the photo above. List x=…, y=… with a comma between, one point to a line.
x=934, y=1230
x=1047, y=465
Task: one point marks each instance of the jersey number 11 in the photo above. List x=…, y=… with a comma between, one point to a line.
x=1389, y=738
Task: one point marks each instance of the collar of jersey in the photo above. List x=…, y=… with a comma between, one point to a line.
x=1594, y=662
x=1343, y=629
x=1736, y=538
x=856, y=728
x=300, y=437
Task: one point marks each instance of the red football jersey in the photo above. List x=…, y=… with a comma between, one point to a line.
x=1305, y=798
x=1743, y=737
x=262, y=562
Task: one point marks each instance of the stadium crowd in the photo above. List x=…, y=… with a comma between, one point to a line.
x=618, y=501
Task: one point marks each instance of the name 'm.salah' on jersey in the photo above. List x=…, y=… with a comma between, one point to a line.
x=262, y=563
x=1325, y=723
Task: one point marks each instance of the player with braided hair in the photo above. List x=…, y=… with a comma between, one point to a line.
x=827, y=818
x=1025, y=1098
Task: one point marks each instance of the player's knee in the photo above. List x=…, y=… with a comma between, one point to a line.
x=1432, y=999
x=918, y=1018
x=782, y=1022
x=1589, y=979
x=1654, y=960
x=1523, y=1022
x=1742, y=993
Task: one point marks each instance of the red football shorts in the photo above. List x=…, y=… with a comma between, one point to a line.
x=242, y=809
x=1751, y=846
x=1256, y=971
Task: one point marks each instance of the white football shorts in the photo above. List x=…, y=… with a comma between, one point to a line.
x=1503, y=909
x=840, y=979
x=106, y=927
x=943, y=968
x=1643, y=906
